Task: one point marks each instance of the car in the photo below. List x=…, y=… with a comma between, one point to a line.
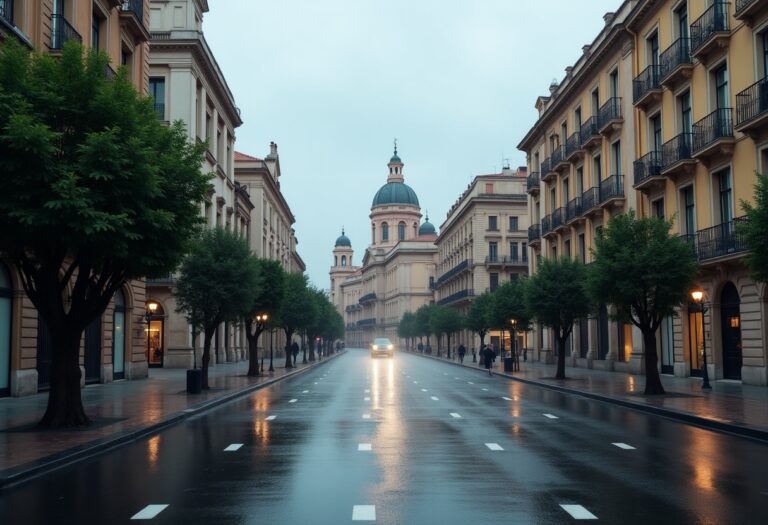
x=382, y=346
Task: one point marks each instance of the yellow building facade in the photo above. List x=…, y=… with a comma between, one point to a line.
x=694, y=106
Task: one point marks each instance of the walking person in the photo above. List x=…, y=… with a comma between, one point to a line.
x=295, y=351
x=462, y=351
x=420, y=347
x=488, y=358
x=474, y=355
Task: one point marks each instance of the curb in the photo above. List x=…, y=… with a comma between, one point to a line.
x=65, y=458
x=708, y=424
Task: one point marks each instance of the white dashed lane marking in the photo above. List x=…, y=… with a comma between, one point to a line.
x=494, y=446
x=434, y=398
x=366, y=399
x=470, y=383
x=366, y=416
x=305, y=392
x=364, y=447
x=364, y=513
x=456, y=415
x=551, y=416
x=271, y=418
x=233, y=447
x=485, y=390
x=506, y=398
x=149, y=512
x=623, y=446
x=293, y=400
x=423, y=389
x=578, y=512
x=367, y=391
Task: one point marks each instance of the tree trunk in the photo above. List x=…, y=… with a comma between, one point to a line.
x=448, y=342
x=288, y=356
x=207, y=336
x=311, y=343
x=653, y=384
x=253, y=353
x=560, y=357
x=65, y=404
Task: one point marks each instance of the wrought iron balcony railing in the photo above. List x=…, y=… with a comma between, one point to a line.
x=647, y=166
x=558, y=218
x=590, y=199
x=546, y=225
x=675, y=56
x=367, y=298
x=366, y=322
x=62, y=31
x=532, y=181
x=742, y=5
x=6, y=10
x=752, y=102
x=546, y=167
x=573, y=209
x=676, y=150
x=721, y=240
x=609, y=112
x=134, y=6
x=714, y=20
x=589, y=130
x=646, y=82
x=463, y=265
x=463, y=294
x=611, y=188
x=715, y=126
x=573, y=144
x=534, y=233
x=505, y=260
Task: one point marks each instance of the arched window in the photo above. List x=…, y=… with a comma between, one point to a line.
x=6, y=302
x=401, y=231
x=118, y=337
x=384, y=232
x=343, y=260
x=335, y=260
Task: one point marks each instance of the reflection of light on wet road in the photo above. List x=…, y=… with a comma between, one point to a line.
x=261, y=431
x=153, y=452
x=389, y=441
x=376, y=386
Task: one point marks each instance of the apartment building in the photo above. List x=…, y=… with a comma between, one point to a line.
x=692, y=76
x=483, y=243
x=114, y=345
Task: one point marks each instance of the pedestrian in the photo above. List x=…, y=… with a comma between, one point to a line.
x=462, y=351
x=488, y=359
x=295, y=351
x=525, y=355
x=420, y=347
x=474, y=355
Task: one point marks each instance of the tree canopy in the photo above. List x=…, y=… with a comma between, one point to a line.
x=755, y=230
x=297, y=309
x=266, y=300
x=478, y=318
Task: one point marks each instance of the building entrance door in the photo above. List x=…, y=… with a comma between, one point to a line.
x=731, y=330
x=92, y=357
x=118, y=337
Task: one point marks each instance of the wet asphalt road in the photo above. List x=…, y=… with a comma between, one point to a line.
x=446, y=447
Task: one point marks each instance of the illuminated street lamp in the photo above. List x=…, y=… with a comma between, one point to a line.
x=513, y=343
x=698, y=295
x=150, y=311
x=261, y=319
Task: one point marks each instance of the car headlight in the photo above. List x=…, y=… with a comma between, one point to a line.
x=375, y=347
x=390, y=347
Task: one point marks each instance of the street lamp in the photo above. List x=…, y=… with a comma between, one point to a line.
x=150, y=311
x=698, y=295
x=513, y=343
x=271, y=368
x=261, y=319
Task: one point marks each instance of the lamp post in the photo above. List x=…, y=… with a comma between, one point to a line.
x=261, y=321
x=698, y=295
x=150, y=311
x=513, y=343
x=271, y=368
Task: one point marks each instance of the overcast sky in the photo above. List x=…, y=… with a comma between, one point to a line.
x=333, y=82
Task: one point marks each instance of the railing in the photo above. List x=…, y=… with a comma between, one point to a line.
x=457, y=296
x=506, y=260
x=532, y=181
x=751, y=102
x=546, y=225
x=366, y=322
x=573, y=209
x=742, y=5
x=714, y=20
x=367, y=298
x=590, y=199
x=609, y=111
x=557, y=156
x=589, y=129
x=546, y=167
x=534, y=232
x=353, y=308
x=720, y=240
x=646, y=81
x=163, y=280
x=62, y=31
x=676, y=150
x=159, y=108
x=6, y=10
x=573, y=144
x=134, y=6
x=463, y=265
x=611, y=188
x=647, y=166
x=558, y=218
x=717, y=125
x=676, y=55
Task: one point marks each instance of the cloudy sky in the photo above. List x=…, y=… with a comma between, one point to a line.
x=333, y=82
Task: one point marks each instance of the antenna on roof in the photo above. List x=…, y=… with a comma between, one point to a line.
x=505, y=163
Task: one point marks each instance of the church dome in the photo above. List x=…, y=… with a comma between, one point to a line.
x=395, y=193
x=427, y=228
x=343, y=240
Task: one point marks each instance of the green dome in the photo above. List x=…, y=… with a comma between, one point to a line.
x=395, y=158
x=343, y=240
x=427, y=228
x=395, y=193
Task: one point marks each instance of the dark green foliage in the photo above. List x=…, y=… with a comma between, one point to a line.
x=509, y=303
x=297, y=309
x=444, y=320
x=755, y=230
x=408, y=329
x=266, y=299
x=478, y=318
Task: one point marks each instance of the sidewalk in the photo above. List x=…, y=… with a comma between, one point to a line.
x=728, y=407
x=120, y=412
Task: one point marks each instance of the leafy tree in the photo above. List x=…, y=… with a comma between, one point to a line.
x=445, y=320
x=478, y=316
x=266, y=299
x=556, y=298
x=334, y=325
x=217, y=283
x=94, y=192
x=645, y=273
x=754, y=230
x=423, y=316
x=318, y=325
x=509, y=302
x=297, y=310
x=407, y=328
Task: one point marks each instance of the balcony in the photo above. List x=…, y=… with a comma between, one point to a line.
x=676, y=155
x=6, y=11
x=559, y=159
x=612, y=192
x=367, y=298
x=132, y=18
x=590, y=134
x=534, y=233
x=353, y=308
x=676, y=63
x=573, y=210
x=366, y=322
x=713, y=135
x=646, y=87
x=609, y=116
x=573, y=149
x=558, y=218
x=721, y=241
x=506, y=260
x=752, y=108
x=546, y=225
x=547, y=171
x=532, y=183
x=453, y=272
x=647, y=171
x=590, y=201
x=749, y=10
x=710, y=32
x=62, y=32
x=164, y=280
x=458, y=296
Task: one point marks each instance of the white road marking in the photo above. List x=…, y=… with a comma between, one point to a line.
x=367, y=391
x=578, y=512
x=423, y=389
x=305, y=392
x=364, y=513
x=315, y=383
x=364, y=447
x=233, y=447
x=493, y=446
x=366, y=416
x=366, y=399
x=149, y=512
x=433, y=398
x=506, y=398
x=271, y=418
x=551, y=416
x=293, y=400
x=470, y=382
x=456, y=415
x=456, y=378
x=415, y=382
x=485, y=390
x=623, y=446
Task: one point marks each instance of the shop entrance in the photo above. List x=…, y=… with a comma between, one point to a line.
x=730, y=317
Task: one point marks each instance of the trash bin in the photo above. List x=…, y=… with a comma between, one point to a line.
x=508, y=364
x=194, y=381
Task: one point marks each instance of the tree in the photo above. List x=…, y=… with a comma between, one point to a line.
x=407, y=328
x=645, y=273
x=217, y=282
x=94, y=191
x=445, y=320
x=509, y=302
x=423, y=316
x=297, y=310
x=318, y=324
x=556, y=297
x=754, y=231
x=478, y=316
x=266, y=299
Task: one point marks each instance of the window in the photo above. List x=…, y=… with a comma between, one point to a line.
x=613, y=80
x=513, y=253
x=494, y=281
x=652, y=43
x=579, y=181
x=118, y=339
x=493, y=251
x=513, y=224
x=95, y=31
x=582, y=248
x=686, y=116
x=343, y=260
x=681, y=17
x=723, y=178
x=721, y=86
x=597, y=170
x=488, y=187
x=6, y=12
x=616, y=157
x=689, y=211
x=553, y=251
x=552, y=199
x=524, y=250
x=657, y=208
x=335, y=260
x=157, y=92
x=567, y=248
x=577, y=119
x=764, y=39
x=384, y=232
x=492, y=223
x=563, y=132
x=595, y=101
x=401, y=231
x=655, y=128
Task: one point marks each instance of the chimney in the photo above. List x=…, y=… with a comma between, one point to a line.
x=586, y=49
x=553, y=86
x=272, y=148
x=608, y=17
